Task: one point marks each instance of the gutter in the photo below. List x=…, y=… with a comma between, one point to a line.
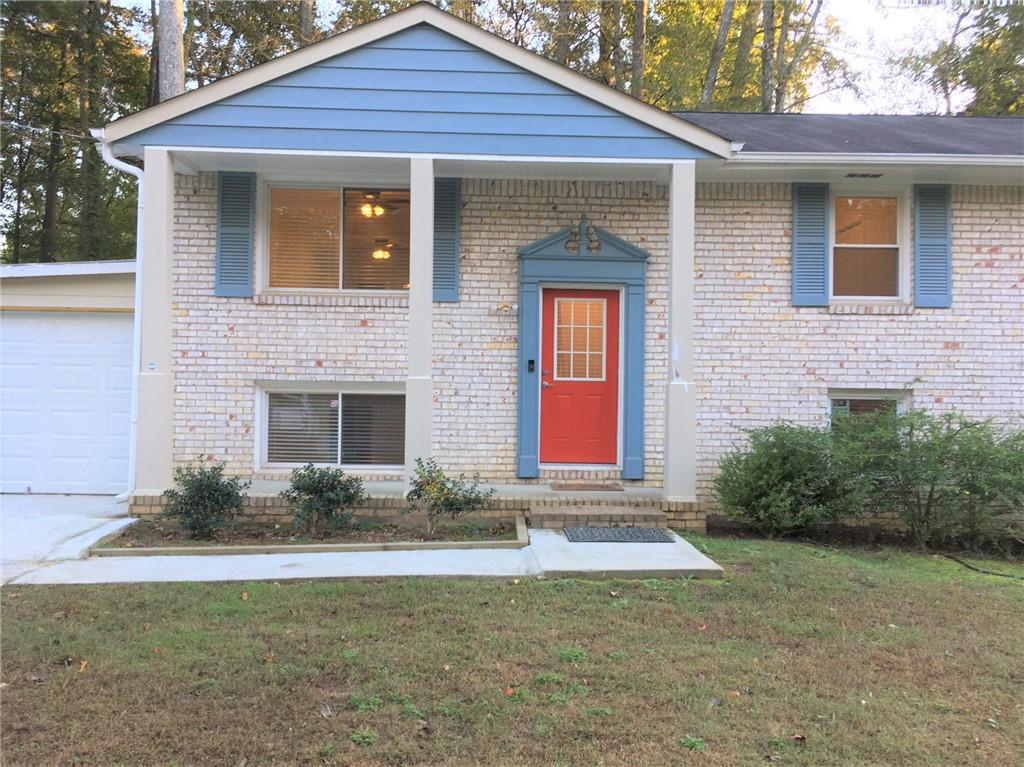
x=855, y=158
x=113, y=162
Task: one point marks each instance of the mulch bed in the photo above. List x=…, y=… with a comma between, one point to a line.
x=148, y=533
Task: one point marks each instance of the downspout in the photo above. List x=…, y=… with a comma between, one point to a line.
x=113, y=162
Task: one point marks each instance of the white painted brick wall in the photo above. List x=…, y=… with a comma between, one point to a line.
x=760, y=359
x=222, y=346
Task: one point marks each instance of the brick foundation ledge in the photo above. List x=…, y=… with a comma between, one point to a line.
x=267, y=507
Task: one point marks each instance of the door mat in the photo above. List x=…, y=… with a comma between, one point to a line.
x=584, y=486
x=618, y=535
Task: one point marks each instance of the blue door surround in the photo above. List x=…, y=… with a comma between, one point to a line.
x=584, y=254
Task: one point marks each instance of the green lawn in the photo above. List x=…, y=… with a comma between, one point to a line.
x=801, y=655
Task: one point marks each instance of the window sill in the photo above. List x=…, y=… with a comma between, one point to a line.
x=871, y=307
x=396, y=298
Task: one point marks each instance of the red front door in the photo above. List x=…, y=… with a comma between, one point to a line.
x=579, y=398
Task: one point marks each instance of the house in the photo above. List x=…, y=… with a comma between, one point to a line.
x=417, y=239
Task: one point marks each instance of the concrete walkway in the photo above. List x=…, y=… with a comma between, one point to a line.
x=549, y=554
x=40, y=529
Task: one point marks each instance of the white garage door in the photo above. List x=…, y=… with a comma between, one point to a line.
x=65, y=391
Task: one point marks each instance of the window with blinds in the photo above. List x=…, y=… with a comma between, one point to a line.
x=325, y=239
x=305, y=237
x=866, y=254
x=376, y=247
x=350, y=429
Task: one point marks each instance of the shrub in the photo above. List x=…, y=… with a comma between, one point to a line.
x=785, y=480
x=322, y=498
x=949, y=478
x=203, y=500
x=440, y=496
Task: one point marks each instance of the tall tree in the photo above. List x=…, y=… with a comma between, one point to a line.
x=982, y=61
x=171, y=31
x=639, y=48
x=717, y=52
x=767, y=54
x=307, y=21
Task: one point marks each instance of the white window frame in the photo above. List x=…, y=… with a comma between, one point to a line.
x=262, y=431
x=904, y=241
x=604, y=343
x=262, y=234
x=902, y=398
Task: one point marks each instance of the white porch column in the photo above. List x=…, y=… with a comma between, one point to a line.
x=681, y=397
x=419, y=386
x=154, y=445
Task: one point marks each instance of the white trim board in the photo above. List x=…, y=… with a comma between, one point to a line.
x=421, y=13
x=67, y=269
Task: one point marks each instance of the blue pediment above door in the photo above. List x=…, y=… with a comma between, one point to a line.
x=585, y=241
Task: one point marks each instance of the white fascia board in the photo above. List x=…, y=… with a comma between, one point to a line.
x=68, y=269
x=421, y=13
x=827, y=158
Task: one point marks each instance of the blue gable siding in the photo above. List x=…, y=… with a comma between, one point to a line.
x=419, y=90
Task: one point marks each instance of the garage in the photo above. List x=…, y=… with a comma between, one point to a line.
x=65, y=378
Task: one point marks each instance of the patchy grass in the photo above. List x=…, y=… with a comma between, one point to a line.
x=155, y=533
x=800, y=656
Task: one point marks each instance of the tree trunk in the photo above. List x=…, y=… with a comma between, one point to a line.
x=636, y=83
x=171, y=31
x=563, y=37
x=780, y=59
x=717, y=51
x=609, y=42
x=88, y=116
x=307, y=12
x=51, y=183
x=767, y=54
x=744, y=47
x=786, y=68
x=153, y=96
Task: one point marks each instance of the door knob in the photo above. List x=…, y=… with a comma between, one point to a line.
x=545, y=384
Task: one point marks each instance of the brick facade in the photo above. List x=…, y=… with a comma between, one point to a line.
x=758, y=358
x=761, y=359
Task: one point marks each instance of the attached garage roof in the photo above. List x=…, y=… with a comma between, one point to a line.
x=865, y=134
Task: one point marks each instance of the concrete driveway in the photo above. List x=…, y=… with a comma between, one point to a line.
x=39, y=529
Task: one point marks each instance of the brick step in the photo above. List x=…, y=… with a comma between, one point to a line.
x=596, y=516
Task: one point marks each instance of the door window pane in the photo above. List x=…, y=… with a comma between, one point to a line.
x=579, y=339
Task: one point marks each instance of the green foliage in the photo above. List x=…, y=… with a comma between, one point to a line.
x=949, y=478
x=364, y=736
x=364, y=703
x=438, y=495
x=692, y=743
x=982, y=56
x=203, y=500
x=572, y=655
x=786, y=479
x=322, y=498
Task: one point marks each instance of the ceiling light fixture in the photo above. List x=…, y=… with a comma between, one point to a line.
x=383, y=250
x=371, y=208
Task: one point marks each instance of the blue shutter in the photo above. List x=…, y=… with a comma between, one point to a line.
x=446, y=239
x=236, y=218
x=933, y=259
x=810, y=245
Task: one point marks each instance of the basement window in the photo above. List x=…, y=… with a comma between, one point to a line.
x=335, y=429
x=855, y=403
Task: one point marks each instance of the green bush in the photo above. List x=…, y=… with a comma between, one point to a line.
x=322, y=498
x=949, y=478
x=203, y=500
x=785, y=480
x=440, y=496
